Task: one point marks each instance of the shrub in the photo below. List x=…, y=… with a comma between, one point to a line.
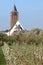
x=9, y=43
x=1, y=44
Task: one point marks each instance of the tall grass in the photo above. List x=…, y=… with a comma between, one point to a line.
x=26, y=44
x=2, y=58
x=31, y=53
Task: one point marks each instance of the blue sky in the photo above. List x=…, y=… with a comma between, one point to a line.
x=30, y=13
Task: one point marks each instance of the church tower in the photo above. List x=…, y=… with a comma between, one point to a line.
x=14, y=23
x=13, y=17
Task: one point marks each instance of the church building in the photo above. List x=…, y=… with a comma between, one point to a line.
x=14, y=22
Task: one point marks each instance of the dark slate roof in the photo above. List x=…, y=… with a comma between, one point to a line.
x=15, y=9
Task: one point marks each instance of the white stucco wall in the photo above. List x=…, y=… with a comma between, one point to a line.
x=14, y=28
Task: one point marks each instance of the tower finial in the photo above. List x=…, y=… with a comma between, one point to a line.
x=15, y=8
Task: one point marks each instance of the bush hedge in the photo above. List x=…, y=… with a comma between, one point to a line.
x=24, y=36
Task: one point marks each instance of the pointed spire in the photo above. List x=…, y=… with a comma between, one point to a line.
x=15, y=8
